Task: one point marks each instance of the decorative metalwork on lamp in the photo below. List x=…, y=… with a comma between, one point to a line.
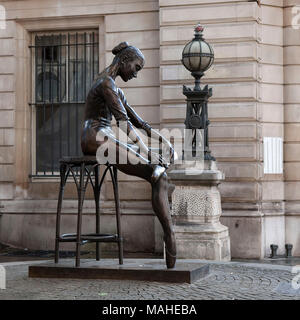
x=197, y=57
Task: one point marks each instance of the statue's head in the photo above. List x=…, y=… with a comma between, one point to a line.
x=130, y=60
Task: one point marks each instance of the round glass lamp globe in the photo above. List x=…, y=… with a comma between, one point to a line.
x=197, y=55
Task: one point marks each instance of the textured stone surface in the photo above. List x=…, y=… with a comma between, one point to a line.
x=226, y=281
x=194, y=201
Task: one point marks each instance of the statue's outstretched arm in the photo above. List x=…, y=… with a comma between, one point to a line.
x=138, y=122
x=113, y=100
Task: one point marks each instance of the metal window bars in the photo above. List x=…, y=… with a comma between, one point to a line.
x=65, y=65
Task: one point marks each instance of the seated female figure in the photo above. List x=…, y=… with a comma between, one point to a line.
x=106, y=100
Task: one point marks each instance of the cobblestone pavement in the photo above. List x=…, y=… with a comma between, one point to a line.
x=226, y=281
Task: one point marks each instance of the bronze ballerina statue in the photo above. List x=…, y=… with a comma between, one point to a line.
x=105, y=100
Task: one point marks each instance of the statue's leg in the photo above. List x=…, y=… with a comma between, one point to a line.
x=145, y=170
x=161, y=207
x=160, y=204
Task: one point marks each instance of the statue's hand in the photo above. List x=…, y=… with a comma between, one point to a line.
x=172, y=152
x=169, y=152
x=156, y=158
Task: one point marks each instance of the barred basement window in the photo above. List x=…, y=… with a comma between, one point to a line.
x=65, y=65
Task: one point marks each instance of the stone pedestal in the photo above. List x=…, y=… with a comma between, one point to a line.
x=196, y=210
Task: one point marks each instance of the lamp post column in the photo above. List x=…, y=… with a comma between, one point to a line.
x=196, y=201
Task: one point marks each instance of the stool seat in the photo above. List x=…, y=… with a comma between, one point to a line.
x=89, y=172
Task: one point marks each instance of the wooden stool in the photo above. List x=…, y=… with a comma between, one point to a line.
x=89, y=171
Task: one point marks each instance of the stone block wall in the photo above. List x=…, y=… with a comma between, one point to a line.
x=29, y=204
x=291, y=63
x=7, y=110
x=247, y=105
x=232, y=28
x=271, y=117
x=255, y=95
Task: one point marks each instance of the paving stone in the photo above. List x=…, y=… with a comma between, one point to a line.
x=225, y=282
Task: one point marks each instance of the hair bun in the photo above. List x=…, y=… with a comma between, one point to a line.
x=121, y=46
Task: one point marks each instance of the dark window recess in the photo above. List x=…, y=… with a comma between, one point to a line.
x=65, y=66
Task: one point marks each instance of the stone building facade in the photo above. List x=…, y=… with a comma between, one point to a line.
x=256, y=95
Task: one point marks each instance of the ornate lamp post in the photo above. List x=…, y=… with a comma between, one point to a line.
x=197, y=57
x=196, y=201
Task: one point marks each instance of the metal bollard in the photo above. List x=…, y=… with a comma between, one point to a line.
x=274, y=248
x=288, y=250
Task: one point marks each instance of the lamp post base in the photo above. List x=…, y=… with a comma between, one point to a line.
x=196, y=210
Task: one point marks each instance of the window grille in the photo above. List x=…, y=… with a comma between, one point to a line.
x=65, y=65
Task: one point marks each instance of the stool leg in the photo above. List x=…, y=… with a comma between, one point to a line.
x=118, y=213
x=81, y=192
x=59, y=205
x=97, y=199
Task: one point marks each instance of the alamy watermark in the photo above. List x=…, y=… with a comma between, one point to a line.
x=2, y=17
x=2, y=278
x=117, y=147
x=296, y=279
x=296, y=17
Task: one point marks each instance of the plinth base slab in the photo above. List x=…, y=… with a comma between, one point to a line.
x=137, y=269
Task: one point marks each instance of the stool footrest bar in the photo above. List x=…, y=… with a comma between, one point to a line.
x=90, y=237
